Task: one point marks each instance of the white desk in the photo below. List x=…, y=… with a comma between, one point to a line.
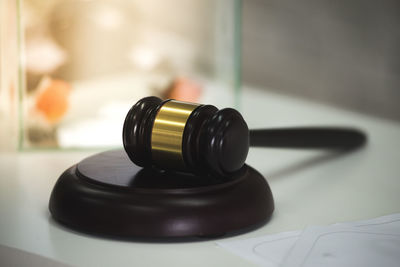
x=309, y=188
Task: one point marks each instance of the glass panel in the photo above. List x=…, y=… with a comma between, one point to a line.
x=9, y=75
x=87, y=62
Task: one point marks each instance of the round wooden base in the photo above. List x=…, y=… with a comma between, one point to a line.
x=106, y=194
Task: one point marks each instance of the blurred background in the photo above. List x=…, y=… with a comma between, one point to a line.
x=70, y=69
x=344, y=53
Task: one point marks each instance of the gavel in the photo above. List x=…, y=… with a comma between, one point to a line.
x=189, y=137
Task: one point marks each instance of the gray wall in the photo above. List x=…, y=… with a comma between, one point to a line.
x=345, y=53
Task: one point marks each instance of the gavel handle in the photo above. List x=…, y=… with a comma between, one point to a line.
x=308, y=137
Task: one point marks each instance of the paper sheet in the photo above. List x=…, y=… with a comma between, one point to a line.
x=345, y=246
x=267, y=251
x=271, y=250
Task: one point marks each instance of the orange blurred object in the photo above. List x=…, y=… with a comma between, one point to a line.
x=184, y=89
x=52, y=101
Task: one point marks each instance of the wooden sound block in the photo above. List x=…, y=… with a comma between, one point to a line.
x=106, y=194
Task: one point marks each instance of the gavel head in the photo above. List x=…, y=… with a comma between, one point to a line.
x=188, y=137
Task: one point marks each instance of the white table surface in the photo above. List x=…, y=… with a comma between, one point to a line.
x=309, y=187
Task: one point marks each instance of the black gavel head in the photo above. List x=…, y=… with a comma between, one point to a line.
x=183, y=136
